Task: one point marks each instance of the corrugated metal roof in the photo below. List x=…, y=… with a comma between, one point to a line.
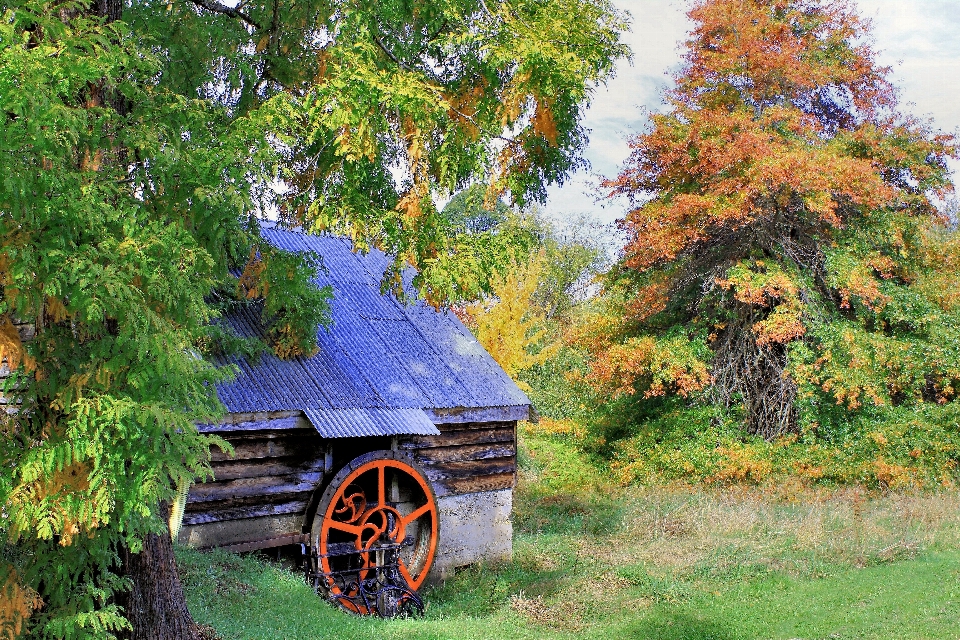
x=352, y=423
x=379, y=363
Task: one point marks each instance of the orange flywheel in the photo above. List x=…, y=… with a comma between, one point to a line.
x=374, y=536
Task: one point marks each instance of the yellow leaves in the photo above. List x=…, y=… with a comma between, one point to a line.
x=11, y=347
x=463, y=107
x=509, y=327
x=411, y=204
x=286, y=343
x=894, y=476
x=551, y=427
x=878, y=437
x=514, y=99
x=357, y=142
x=62, y=496
x=263, y=43
x=250, y=285
x=17, y=603
x=765, y=285
x=760, y=283
x=543, y=123
x=782, y=325
x=740, y=463
x=862, y=285
x=92, y=162
x=56, y=311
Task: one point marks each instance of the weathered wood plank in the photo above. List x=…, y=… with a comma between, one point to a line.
x=247, y=501
x=475, y=484
x=456, y=438
x=246, y=511
x=469, y=469
x=474, y=426
x=270, y=424
x=466, y=452
x=236, y=469
x=268, y=543
x=249, y=487
x=486, y=414
x=278, y=445
x=258, y=416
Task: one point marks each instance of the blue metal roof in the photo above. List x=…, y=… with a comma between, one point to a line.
x=380, y=364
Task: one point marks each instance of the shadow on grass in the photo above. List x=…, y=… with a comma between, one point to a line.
x=562, y=513
x=675, y=626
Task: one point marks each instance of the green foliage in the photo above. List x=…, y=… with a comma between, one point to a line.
x=292, y=305
x=135, y=157
x=557, y=387
x=490, y=238
x=903, y=447
x=221, y=341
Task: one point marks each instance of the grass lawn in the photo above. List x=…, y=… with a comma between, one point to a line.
x=596, y=561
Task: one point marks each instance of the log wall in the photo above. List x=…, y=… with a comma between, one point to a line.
x=467, y=457
x=276, y=466
x=262, y=495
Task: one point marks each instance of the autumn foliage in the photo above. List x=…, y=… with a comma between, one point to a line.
x=785, y=254
x=508, y=326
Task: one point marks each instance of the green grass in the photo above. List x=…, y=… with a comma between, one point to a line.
x=592, y=560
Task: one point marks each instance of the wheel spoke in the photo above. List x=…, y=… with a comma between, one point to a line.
x=343, y=526
x=382, y=483
x=416, y=514
x=401, y=565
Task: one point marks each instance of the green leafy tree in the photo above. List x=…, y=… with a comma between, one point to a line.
x=785, y=255
x=139, y=143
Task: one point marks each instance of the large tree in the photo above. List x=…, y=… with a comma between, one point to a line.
x=140, y=142
x=784, y=253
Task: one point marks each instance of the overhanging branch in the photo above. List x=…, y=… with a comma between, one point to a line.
x=216, y=7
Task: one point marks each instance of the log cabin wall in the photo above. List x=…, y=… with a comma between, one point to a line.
x=262, y=495
x=467, y=457
x=262, y=491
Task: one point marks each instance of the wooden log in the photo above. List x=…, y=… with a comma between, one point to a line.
x=469, y=469
x=259, y=416
x=475, y=484
x=487, y=414
x=277, y=445
x=466, y=452
x=270, y=424
x=474, y=426
x=250, y=487
x=236, y=469
x=256, y=510
x=268, y=543
x=247, y=501
x=456, y=438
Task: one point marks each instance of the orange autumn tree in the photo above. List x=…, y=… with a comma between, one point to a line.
x=784, y=256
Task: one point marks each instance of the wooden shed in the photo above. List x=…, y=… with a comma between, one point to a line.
x=333, y=450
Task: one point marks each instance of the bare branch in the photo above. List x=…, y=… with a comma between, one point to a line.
x=217, y=7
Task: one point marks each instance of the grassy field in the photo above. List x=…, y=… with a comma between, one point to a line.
x=592, y=560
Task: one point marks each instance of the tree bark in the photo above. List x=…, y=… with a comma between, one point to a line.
x=156, y=606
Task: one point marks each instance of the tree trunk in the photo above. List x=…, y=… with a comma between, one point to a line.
x=754, y=376
x=156, y=607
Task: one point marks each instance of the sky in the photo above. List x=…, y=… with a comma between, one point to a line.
x=919, y=39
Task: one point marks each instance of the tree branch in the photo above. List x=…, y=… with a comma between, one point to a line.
x=216, y=7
